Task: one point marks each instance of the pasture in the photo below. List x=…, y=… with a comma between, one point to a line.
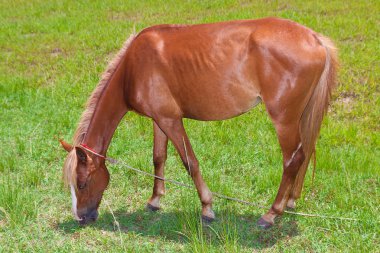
x=51, y=56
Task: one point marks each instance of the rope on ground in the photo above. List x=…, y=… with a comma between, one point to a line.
x=219, y=195
x=114, y=219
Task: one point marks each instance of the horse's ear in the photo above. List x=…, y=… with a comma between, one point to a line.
x=84, y=167
x=65, y=145
x=81, y=154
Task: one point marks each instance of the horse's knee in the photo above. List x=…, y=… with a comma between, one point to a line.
x=159, y=160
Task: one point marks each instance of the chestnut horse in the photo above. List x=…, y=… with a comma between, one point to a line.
x=206, y=72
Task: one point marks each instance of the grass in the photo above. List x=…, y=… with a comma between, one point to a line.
x=52, y=53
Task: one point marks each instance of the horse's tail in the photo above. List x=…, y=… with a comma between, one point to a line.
x=316, y=108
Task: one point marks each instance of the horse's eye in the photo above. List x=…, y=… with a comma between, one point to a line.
x=82, y=186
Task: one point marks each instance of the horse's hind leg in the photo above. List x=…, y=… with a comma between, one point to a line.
x=293, y=157
x=174, y=129
x=159, y=158
x=296, y=190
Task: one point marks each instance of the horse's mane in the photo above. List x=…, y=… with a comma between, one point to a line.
x=69, y=172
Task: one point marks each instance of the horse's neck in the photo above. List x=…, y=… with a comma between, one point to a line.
x=110, y=109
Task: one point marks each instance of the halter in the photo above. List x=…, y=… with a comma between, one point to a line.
x=87, y=148
x=84, y=146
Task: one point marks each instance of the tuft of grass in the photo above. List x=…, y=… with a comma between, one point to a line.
x=17, y=204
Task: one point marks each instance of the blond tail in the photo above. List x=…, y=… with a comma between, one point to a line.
x=315, y=109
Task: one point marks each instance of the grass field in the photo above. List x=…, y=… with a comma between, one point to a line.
x=51, y=56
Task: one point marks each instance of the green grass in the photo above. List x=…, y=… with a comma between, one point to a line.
x=51, y=56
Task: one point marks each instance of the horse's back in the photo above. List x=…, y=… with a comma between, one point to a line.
x=213, y=71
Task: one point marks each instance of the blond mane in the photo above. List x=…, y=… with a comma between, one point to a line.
x=69, y=172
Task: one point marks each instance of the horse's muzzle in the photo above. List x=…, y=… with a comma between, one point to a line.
x=89, y=217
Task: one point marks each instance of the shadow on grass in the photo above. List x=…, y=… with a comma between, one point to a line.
x=180, y=227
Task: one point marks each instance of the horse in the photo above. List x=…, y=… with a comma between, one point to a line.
x=206, y=72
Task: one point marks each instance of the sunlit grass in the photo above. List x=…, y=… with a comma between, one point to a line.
x=51, y=56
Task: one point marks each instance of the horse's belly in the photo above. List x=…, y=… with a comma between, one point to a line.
x=220, y=106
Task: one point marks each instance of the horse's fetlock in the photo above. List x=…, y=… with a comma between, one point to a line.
x=161, y=192
x=277, y=210
x=206, y=198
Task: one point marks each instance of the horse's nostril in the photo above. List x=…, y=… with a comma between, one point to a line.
x=83, y=220
x=89, y=217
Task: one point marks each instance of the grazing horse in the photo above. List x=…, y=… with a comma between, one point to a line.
x=206, y=72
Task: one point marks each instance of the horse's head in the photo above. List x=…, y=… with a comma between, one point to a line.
x=88, y=177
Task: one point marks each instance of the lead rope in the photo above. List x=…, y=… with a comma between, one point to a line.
x=216, y=194
x=219, y=195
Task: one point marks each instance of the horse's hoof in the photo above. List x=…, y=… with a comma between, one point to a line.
x=151, y=208
x=264, y=224
x=207, y=220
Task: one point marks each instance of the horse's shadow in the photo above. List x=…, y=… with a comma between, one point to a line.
x=180, y=227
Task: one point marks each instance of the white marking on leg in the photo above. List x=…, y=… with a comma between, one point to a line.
x=294, y=153
x=74, y=203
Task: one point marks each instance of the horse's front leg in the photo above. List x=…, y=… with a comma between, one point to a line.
x=159, y=158
x=175, y=131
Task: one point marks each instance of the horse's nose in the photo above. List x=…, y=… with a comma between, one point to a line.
x=90, y=216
